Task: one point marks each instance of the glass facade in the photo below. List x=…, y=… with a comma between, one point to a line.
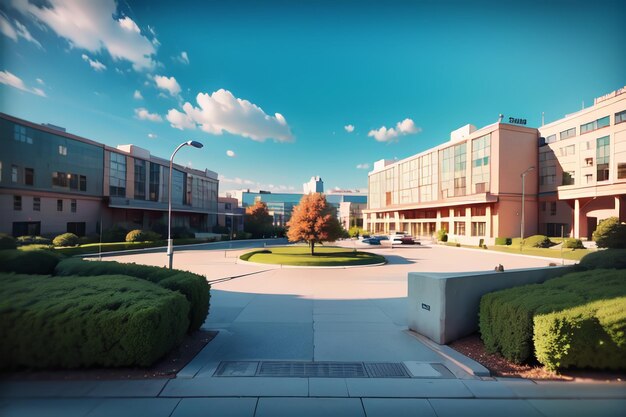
x=602, y=158
x=140, y=179
x=481, y=152
x=117, y=175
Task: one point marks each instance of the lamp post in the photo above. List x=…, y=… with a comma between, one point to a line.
x=170, y=246
x=523, y=175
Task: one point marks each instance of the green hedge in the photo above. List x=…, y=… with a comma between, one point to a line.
x=588, y=336
x=572, y=243
x=71, y=322
x=7, y=241
x=604, y=259
x=33, y=240
x=247, y=256
x=142, y=236
x=194, y=287
x=506, y=318
x=28, y=261
x=503, y=241
x=66, y=239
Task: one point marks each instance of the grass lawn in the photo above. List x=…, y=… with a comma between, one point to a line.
x=571, y=254
x=301, y=256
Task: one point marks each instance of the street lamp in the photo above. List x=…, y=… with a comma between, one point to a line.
x=170, y=248
x=523, y=175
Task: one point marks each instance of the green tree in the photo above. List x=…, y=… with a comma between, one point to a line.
x=314, y=221
x=257, y=220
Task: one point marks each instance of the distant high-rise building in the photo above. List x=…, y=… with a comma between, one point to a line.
x=315, y=185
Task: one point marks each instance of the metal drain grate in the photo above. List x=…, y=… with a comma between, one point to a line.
x=387, y=370
x=312, y=369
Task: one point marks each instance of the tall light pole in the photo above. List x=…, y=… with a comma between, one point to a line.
x=170, y=246
x=523, y=175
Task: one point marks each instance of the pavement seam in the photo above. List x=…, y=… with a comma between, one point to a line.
x=175, y=407
x=256, y=406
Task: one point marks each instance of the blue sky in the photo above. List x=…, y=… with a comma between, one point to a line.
x=270, y=87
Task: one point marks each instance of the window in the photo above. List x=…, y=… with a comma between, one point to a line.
x=21, y=134
x=29, y=176
x=588, y=145
x=547, y=175
x=17, y=202
x=36, y=204
x=568, y=177
x=568, y=150
x=596, y=124
x=621, y=170
x=459, y=228
x=73, y=181
x=62, y=150
x=73, y=206
x=26, y=228
x=228, y=206
x=479, y=211
x=14, y=171
x=620, y=117
x=460, y=162
x=602, y=158
x=553, y=208
x=568, y=133
x=83, y=183
x=155, y=171
x=557, y=229
x=543, y=206
x=59, y=205
x=589, y=162
x=588, y=178
x=478, y=228
x=388, y=198
x=78, y=228
x=459, y=212
x=140, y=179
x=551, y=138
x=117, y=175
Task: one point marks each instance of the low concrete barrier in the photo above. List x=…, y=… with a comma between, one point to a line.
x=444, y=306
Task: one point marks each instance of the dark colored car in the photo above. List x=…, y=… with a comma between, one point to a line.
x=371, y=241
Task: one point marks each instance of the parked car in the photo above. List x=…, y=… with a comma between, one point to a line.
x=371, y=241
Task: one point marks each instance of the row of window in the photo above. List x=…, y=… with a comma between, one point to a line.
x=17, y=204
x=69, y=180
x=544, y=205
x=34, y=228
x=619, y=117
x=478, y=228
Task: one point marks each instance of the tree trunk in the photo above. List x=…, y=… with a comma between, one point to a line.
x=312, y=248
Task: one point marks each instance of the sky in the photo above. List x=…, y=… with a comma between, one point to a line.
x=279, y=91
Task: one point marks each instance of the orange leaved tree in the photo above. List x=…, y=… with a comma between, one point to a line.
x=257, y=220
x=314, y=221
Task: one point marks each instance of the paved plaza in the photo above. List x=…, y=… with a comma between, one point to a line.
x=270, y=317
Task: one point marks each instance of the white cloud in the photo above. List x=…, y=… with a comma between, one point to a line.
x=230, y=153
x=152, y=135
x=143, y=114
x=14, y=81
x=90, y=25
x=137, y=95
x=349, y=128
x=95, y=64
x=222, y=112
x=16, y=30
x=40, y=81
x=363, y=166
x=405, y=127
x=183, y=57
x=168, y=84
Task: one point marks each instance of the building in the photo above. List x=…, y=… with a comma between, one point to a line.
x=53, y=182
x=469, y=186
x=582, y=168
x=230, y=215
x=315, y=185
x=280, y=205
x=571, y=173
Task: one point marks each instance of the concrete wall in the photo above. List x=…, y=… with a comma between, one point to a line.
x=444, y=306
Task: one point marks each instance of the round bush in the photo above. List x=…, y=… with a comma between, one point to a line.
x=142, y=236
x=610, y=234
x=7, y=242
x=538, y=241
x=605, y=259
x=442, y=235
x=571, y=243
x=66, y=239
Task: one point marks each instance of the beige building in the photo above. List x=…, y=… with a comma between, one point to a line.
x=582, y=168
x=469, y=186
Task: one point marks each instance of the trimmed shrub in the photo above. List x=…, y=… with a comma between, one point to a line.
x=28, y=261
x=7, y=241
x=66, y=239
x=506, y=317
x=248, y=255
x=604, y=259
x=73, y=321
x=142, y=236
x=442, y=235
x=32, y=240
x=572, y=243
x=503, y=241
x=538, y=241
x=588, y=336
x=516, y=242
x=611, y=234
x=36, y=247
x=194, y=287
x=356, y=231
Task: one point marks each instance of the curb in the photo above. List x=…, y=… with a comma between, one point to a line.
x=281, y=266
